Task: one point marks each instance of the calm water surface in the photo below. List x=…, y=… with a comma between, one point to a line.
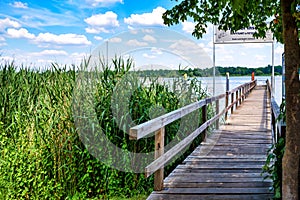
x=236, y=81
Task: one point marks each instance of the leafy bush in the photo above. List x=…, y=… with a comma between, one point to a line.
x=273, y=165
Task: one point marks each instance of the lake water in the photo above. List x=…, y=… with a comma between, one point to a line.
x=236, y=81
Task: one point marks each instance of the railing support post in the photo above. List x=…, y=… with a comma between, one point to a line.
x=217, y=112
x=204, y=119
x=232, y=100
x=159, y=150
x=241, y=94
x=273, y=122
x=237, y=99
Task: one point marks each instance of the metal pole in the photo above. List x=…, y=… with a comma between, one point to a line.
x=273, y=78
x=214, y=64
x=227, y=95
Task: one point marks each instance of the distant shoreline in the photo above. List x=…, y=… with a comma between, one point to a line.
x=208, y=72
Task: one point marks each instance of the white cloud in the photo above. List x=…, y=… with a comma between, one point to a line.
x=260, y=57
x=132, y=31
x=103, y=3
x=2, y=39
x=98, y=38
x=226, y=59
x=95, y=31
x=149, y=38
x=50, y=53
x=43, y=17
x=202, y=45
x=136, y=43
x=77, y=58
x=19, y=4
x=188, y=26
x=157, y=51
x=279, y=50
x=185, y=46
x=6, y=23
x=102, y=22
x=192, y=52
x=115, y=40
x=206, y=47
x=67, y=39
x=19, y=33
x=148, y=56
x=45, y=61
x=5, y=59
x=147, y=19
x=149, y=31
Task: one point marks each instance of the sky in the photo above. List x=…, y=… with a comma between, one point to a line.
x=37, y=33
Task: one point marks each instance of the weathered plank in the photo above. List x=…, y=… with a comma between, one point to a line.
x=217, y=184
x=209, y=197
x=214, y=191
x=229, y=164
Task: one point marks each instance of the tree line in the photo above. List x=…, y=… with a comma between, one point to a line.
x=207, y=72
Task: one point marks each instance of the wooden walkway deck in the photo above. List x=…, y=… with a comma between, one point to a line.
x=229, y=164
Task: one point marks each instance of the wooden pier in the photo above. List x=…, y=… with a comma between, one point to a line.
x=228, y=164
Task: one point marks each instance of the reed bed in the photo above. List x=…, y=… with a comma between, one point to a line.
x=42, y=156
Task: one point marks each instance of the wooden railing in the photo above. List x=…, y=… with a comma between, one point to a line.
x=157, y=125
x=278, y=127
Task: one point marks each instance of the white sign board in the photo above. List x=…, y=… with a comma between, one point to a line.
x=241, y=36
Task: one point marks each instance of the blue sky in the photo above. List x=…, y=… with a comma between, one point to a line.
x=36, y=33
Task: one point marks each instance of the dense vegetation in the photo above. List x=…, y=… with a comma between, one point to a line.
x=220, y=71
x=41, y=154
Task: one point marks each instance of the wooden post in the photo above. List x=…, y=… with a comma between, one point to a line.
x=227, y=94
x=273, y=122
x=241, y=94
x=217, y=112
x=237, y=99
x=159, y=150
x=232, y=100
x=204, y=119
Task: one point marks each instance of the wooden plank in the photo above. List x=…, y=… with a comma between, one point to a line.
x=177, y=173
x=231, y=162
x=214, y=191
x=217, y=184
x=224, y=166
x=209, y=197
x=218, y=172
x=142, y=130
x=185, y=167
x=220, y=160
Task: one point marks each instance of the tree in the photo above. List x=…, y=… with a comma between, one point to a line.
x=238, y=14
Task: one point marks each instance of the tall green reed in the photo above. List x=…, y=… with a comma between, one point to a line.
x=42, y=156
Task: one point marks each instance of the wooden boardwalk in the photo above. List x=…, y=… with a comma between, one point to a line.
x=229, y=164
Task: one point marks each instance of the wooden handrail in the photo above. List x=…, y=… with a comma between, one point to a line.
x=278, y=127
x=158, y=124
